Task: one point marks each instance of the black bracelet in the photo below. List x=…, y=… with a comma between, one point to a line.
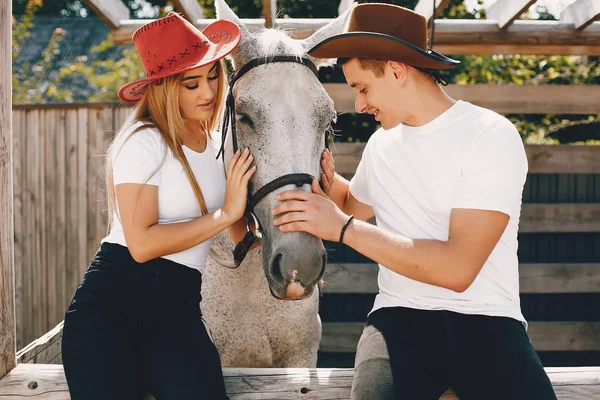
x=344, y=228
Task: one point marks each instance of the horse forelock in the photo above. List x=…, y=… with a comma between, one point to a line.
x=271, y=42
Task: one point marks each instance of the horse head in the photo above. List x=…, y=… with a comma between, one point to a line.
x=283, y=115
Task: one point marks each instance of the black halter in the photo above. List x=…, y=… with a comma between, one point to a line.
x=297, y=179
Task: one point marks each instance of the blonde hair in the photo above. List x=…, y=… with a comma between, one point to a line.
x=159, y=109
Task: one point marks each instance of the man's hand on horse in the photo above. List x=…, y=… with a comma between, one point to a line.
x=328, y=165
x=312, y=212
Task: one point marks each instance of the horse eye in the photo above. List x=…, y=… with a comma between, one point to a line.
x=246, y=120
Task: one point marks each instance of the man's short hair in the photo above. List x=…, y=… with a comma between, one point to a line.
x=378, y=68
x=370, y=64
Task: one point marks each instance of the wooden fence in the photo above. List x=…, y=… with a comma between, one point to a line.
x=60, y=218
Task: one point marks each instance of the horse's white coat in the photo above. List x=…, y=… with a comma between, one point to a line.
x=290, y=112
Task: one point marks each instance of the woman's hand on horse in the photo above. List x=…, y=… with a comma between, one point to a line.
x=313, y=213
x=239, y=171
x=328, y=165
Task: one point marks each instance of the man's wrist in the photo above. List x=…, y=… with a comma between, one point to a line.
x=345, y=227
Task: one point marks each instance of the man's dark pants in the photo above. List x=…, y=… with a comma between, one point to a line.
x=414, y=354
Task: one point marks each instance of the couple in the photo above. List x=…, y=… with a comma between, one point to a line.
x=443, y=177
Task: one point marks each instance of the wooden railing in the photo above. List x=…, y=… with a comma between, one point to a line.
x=60, y=217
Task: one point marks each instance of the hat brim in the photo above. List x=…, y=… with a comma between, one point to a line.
x=380, y=46
x=133, y=91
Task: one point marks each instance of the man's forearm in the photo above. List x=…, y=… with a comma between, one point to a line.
x=339, y=191
x=430, y=261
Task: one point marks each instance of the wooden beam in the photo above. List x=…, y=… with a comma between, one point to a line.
x=504, y=99
x=536, y=218
x=8, y=334
x=563, y=159
x=504, y=12
x=543, y=159
x=342, y=337
x=112, y=12
x=269, y=12
x=452, y=36
x=524, y=37
x=42, y=381
x=190, y=9
x=581, y=13
x=533, y=278
x=425, y=7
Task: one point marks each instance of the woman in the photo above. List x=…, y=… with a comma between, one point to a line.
x=134, y=324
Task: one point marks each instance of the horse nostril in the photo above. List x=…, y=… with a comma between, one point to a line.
x=276, y=274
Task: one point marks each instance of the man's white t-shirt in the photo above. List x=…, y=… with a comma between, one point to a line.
x=468, y=157
x=144, y=158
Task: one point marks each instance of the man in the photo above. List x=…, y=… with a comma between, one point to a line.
x=444, y=179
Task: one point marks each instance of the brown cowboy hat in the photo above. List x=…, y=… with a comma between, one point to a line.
x=171, y=45
x=384, y=32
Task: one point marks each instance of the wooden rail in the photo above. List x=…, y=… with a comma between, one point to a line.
x=47, y=382
x=533, y=278
x=562, y=159
x=452, y=36
x=342, y=337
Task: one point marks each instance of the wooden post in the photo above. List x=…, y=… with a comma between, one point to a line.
x=269, y=12
x=8, y=332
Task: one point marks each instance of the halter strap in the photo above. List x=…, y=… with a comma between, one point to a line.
x=290, y=179
x=229, y=117
x=298, y=179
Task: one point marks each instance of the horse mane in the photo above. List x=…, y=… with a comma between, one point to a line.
x=277, y=41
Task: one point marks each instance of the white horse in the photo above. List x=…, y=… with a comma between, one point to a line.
x=282, y=115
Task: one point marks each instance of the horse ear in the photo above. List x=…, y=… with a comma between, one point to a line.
x=335, y=27
x=226, y=13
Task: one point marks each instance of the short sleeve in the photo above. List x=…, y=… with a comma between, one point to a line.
x=493, y=172
x=137, y=158
x=359, y=184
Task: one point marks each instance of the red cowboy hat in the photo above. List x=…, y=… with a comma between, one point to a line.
x=171, y=45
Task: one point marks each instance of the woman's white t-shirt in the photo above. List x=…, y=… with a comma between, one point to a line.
x=144, y=158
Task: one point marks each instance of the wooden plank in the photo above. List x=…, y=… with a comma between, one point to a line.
x=31, y=267
x=37, y=381
x=110, y=11
x=504, y=12
x=581, y=13
x=452, y=36
x=44, y=349
x=559, y=218
x=72, y=224
x=566, y=159
x=504, y=99
x=425, y=7
x=342, y=337
x=269, y=12
x=559, y=278
x=483, y=37
x=8, y=335
x=190, y=9
x=94, y=189
x=51, y=241
x=19, y=158
x=533, y=278
x=543, y=159
x=63, y=293
x=81, y=188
